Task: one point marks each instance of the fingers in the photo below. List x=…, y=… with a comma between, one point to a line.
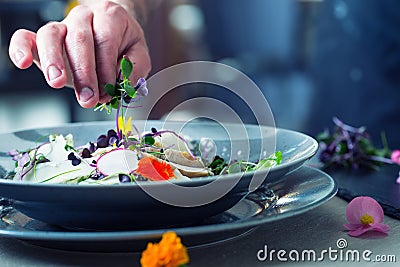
x=108, y=33
x=85, y=48
x=136, y=49
x=117, y=33
x=80, y=51
x=50, y=42
x=139, y=54
x=22, y=49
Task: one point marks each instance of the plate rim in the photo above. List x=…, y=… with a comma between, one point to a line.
x=313, y=150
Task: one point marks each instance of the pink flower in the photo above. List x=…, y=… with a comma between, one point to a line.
x=364, y=214
x=395, y=157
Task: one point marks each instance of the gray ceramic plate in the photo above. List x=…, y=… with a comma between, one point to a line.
x=131, y=206
x=301, y=191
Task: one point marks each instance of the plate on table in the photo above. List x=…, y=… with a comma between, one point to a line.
x=131, y=206
x=301, y=191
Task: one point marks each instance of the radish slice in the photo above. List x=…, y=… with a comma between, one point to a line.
x=118, y=161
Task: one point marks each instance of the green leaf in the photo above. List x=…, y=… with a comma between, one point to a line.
x=99, y=106
x=217, y=165
x=110, y=89
x=271, y=161
x=323, y=136
x=235, y=167
x=41, y=159
x=148, y=140
x=130, y=90
x=341, y=148
x=131, y=138
x=265, y=163
x=68, y=148
x=126, y=67
x=114, y=102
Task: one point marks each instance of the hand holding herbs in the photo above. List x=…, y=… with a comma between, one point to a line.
x=83, y=49
x=123, y=154
x=122, y=92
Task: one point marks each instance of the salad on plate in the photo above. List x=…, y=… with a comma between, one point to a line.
x=124, y=154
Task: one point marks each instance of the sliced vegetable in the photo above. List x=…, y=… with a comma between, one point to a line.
x=117, y=161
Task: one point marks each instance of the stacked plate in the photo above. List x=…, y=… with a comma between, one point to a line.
x=126, y=217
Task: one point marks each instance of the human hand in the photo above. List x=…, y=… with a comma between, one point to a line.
x=84, y=50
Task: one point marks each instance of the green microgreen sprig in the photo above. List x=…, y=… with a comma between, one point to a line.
x=219, y=166
x=121, y=89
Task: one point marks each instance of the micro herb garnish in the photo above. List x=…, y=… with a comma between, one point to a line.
x=148, y=140
x=349, y=146
x=219, y=166
x=268, y=162
x=122, y=89
x=123, y=92
x=68, y=147
x=271, y=161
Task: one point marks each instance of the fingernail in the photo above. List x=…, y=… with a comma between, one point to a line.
x=85, y=94
x=53, y=72
x=18, y=56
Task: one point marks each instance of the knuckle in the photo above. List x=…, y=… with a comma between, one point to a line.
x=52, y=28
x=111, y=9
x=80, y=10
x=21, y=32
x=104, y=41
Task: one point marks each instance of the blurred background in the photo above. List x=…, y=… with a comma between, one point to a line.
x=312, y=60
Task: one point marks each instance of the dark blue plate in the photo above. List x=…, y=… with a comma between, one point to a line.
x=301, y=191
x=153, y=205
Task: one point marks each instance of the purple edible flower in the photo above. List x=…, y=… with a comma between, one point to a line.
x=141, y=87
x=23, y=159
x=13, y=153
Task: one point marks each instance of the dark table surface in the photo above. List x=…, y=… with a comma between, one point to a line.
x=317, y=230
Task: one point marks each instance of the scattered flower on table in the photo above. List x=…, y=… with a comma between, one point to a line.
x=169, y=252
x=348, y=146
x=396, y=156
x=364, y=214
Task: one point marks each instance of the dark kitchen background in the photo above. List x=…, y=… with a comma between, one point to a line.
x=312, y=59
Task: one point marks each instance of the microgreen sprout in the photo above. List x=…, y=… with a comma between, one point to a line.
x=122, y=90
x=349, y=146
x=219, y=166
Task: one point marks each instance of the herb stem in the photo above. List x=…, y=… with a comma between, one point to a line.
x=381, y=159
x=57, y=175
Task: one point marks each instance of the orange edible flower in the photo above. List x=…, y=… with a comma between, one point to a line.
x=169, y=252
x=155, y=170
